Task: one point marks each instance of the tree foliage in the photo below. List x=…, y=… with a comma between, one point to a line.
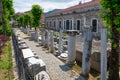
x=36, y=13
x=27, y=19
x=24, y=20
x=8, y=11
x=20, y=20
x=111, y=16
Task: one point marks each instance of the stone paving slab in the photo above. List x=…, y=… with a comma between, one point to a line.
x=56, y=69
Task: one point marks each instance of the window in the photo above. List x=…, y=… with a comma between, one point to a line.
x=67, y=25
x=70, y=25
x=54, y=24
x=60, y=24
x=64, y=25
x=78, y=25
x=94, y=25
x=50, y=24
x=47, y=24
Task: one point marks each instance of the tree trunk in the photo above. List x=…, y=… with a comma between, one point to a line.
x=114, y=56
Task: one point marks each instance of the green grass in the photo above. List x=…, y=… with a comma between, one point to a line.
x=6, y=70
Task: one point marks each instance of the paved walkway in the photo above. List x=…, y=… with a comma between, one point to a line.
x=56, y=69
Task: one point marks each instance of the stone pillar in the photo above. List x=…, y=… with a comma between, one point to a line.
x=36, y=34
x=47, y=38
x=63, y=24
x=42, y=35
x=28, y=30
x=84, y=21
x=56, y=24
x=86, y=56
x=71, y=46
x=43, y=38
x=73, y=23
x=60, y=42
x=103, y=54
x=51, y=42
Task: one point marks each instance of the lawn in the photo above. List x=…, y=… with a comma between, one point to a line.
x=6, y=69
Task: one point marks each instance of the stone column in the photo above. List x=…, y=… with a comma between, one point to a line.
x=103, y=54
x=28, y=30
x=56, y=24
x=47, y=39
x=71, y=46
x=86, y=56
x=36, y=34
x=63, y=24
x=84, y=21
x=51, y=42
x=43, y=38
x=73, y=23
x=60, y=42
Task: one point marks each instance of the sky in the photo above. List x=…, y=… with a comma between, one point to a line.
x=47, y=5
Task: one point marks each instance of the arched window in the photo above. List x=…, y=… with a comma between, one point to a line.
x=78, y=24
x=67, y=24
x=94, y=25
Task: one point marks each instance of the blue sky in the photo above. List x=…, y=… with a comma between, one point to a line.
x=47, y=5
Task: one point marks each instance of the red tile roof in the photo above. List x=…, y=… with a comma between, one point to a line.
x=87, y=4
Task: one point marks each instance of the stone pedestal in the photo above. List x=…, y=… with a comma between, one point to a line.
x=71, y=46
x=86, y=56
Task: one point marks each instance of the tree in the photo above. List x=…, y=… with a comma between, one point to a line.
x=36, y=13
x=8, y=11
x=27, y=19
x=111, y=16
x=20, y=20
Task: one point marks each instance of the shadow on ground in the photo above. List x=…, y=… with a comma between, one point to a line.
x=26, y=38
x=64, y=67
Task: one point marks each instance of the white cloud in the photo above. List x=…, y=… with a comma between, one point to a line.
x=47, y=5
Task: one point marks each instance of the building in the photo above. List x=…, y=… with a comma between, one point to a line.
x=76, y=17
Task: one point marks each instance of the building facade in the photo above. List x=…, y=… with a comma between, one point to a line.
x=76, y=17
